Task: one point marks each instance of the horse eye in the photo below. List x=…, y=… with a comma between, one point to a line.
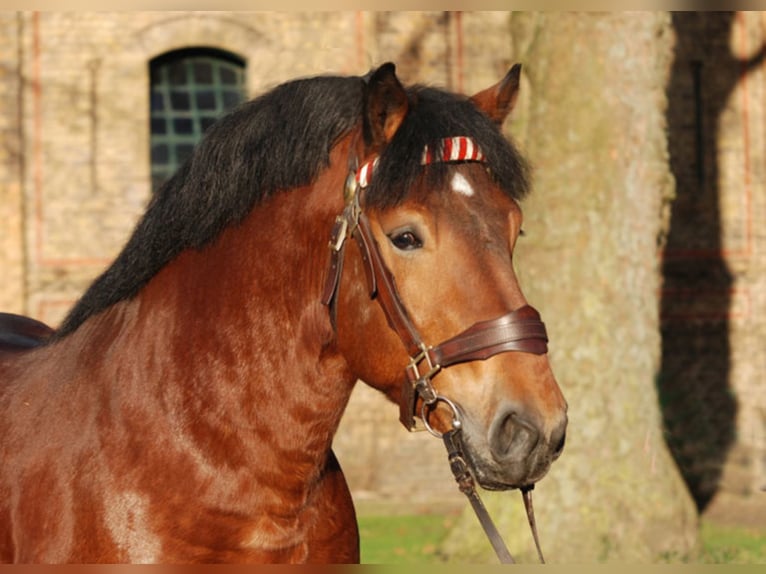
x=406, y=240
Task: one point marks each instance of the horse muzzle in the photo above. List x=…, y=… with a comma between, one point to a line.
x=515, y=453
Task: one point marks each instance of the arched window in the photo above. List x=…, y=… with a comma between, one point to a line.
x=190, y=89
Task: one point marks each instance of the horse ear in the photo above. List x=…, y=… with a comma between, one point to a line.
x=498, y=101
x=386, y=105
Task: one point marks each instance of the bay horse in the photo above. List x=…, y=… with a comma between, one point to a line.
x=184, y=410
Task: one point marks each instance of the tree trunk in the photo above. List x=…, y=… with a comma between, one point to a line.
x=592, y=121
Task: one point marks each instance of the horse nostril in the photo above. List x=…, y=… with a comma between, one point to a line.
x=560, y=446
x=513, y=438
x=558, y=438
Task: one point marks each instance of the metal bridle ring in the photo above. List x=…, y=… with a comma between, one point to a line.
x=456, y=423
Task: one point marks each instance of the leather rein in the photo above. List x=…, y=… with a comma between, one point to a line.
x=519, y=330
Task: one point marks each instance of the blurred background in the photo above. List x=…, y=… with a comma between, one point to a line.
x=645, y=249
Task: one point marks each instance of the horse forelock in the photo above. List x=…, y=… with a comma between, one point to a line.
x=433, y=116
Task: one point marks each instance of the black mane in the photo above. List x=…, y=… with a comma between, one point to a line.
x=276, y=142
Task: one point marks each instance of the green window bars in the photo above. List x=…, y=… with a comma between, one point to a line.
x=190, y=89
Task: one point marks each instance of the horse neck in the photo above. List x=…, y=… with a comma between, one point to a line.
x=242, y=344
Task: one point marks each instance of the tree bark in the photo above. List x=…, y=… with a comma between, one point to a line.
x=592, y=122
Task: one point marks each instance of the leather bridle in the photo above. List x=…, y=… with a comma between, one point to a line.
x=519, y=330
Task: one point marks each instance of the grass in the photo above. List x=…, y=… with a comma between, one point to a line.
x=414, y=539
x=402, y=539
x=730, y=545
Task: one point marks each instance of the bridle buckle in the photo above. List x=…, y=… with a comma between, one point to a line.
x=339, y=233
x=419, y=370
x=424, y=356
x=422, y=382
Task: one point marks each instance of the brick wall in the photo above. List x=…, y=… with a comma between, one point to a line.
x=12, y=292
x=86, y=122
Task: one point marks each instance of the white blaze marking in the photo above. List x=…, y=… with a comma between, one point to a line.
x=460, y=185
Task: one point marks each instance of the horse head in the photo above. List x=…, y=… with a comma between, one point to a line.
x=427, y=307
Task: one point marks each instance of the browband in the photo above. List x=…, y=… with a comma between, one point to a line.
x=454, y=149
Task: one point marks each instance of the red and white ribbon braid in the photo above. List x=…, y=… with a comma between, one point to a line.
x=458, y=148
x=364, y=175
